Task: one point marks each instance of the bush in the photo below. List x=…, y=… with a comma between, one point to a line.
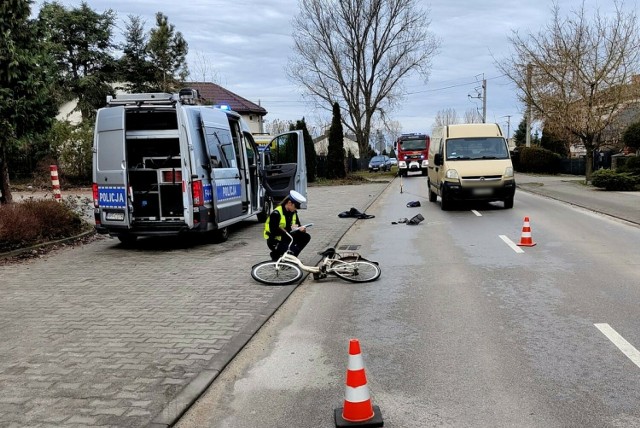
x=631, y=165
x=34, y=221
x=539, y=160
x=612, y=180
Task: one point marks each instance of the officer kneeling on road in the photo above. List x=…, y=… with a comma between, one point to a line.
x=284, y=219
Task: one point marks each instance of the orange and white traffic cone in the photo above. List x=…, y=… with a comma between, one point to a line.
x=358, y=410
x=525, y=238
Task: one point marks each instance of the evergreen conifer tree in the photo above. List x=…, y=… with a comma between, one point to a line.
x=335, y=150
x=309, y=150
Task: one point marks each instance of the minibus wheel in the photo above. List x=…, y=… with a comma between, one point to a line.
x=222, y=234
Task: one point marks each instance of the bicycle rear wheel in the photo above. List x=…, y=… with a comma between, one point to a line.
x=357, y=271
x=273, y=273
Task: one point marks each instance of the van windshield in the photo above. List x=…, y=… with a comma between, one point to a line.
x=414, y=144
x=477, y=148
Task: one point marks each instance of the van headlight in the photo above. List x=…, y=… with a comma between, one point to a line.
x=508, y=172
x=452, y=173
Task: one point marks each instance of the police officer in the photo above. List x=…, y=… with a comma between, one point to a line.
x=283, y=219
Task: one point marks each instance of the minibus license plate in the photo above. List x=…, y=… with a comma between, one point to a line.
x=115, y=216
x=482, y=192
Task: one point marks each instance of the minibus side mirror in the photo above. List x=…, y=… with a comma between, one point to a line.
x=437, y=159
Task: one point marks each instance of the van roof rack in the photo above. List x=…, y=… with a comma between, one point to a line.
x=154, y=98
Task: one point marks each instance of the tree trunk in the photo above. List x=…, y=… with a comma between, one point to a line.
x=588, y=167
x=5, y=190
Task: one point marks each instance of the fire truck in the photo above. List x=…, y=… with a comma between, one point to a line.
x=412, y=151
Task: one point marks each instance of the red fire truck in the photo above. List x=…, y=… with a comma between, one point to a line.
x=412, y=151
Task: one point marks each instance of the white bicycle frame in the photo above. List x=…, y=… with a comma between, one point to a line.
x=324, y=268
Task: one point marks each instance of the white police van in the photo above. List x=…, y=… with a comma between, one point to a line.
x=163, y=165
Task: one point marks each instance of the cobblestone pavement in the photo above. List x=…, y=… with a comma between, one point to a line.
x=102, y=335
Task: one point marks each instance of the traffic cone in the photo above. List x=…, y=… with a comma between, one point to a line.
x=358, y=410
x=525, y=238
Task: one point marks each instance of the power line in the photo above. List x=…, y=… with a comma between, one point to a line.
x=475, y=82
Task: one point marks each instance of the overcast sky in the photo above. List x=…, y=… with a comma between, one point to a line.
x=246, y=44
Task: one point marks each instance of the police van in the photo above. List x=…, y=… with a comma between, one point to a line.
x=165, y=165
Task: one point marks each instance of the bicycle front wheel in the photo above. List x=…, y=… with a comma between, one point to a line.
x=357, y=271
x=273, y=273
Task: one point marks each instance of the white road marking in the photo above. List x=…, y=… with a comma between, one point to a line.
x=476, y=213
x=512, y=244
x=626, y=348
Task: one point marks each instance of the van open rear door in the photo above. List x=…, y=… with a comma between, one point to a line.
x=110, y=167
x=288, y=170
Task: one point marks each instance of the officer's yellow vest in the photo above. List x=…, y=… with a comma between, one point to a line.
x=283, y=223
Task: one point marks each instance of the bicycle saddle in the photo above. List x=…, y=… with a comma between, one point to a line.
x=329, y=252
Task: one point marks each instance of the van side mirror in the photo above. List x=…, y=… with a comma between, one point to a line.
x=437, y=159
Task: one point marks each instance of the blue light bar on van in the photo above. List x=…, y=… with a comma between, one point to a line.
x=223, y=106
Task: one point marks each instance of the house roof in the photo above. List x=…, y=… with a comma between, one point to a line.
x=216, y=94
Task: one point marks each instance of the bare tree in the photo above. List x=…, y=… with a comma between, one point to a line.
x=358, y=53
x=392, y=130
x=472, y=115
x=277, y=126
x=202, y=69
x=448, y=116
x=576, y=72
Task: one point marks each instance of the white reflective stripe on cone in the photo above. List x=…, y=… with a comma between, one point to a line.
x=357, y=395
x=355, y=362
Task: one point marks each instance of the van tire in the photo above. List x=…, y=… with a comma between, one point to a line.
x=221, y=235
x=266, y=211
x=508, y=203
x=445, y=202
x=433, y=197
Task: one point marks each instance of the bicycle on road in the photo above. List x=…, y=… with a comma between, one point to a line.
x=288, y=269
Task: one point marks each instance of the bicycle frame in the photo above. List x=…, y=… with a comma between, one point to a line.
x=324, y=268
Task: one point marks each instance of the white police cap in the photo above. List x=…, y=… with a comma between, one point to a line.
x=297, y=197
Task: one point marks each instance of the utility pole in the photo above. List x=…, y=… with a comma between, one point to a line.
x=508, y=116
x=484, y=100
x=528, y=118
x=482, y=96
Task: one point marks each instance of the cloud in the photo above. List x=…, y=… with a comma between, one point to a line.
x=248, y=44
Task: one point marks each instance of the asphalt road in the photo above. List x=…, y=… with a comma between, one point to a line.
x=462, y=329
x=103, y=335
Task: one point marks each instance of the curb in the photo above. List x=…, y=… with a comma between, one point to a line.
x=20, y=251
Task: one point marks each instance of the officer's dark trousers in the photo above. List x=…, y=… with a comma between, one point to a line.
x=278, y=248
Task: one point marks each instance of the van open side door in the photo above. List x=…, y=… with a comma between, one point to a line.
x=185, y=162
x=288, y=170
x=110, y=166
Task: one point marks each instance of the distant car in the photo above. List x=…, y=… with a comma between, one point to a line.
x=380, y=163
x=394, y=161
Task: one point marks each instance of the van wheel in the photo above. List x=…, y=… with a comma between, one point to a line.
x=266, y=210
x=432, y=195
x=445, y=202
x=221, y=235
x=508, y=203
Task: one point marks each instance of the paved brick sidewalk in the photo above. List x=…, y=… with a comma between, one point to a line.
x=101, y=335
